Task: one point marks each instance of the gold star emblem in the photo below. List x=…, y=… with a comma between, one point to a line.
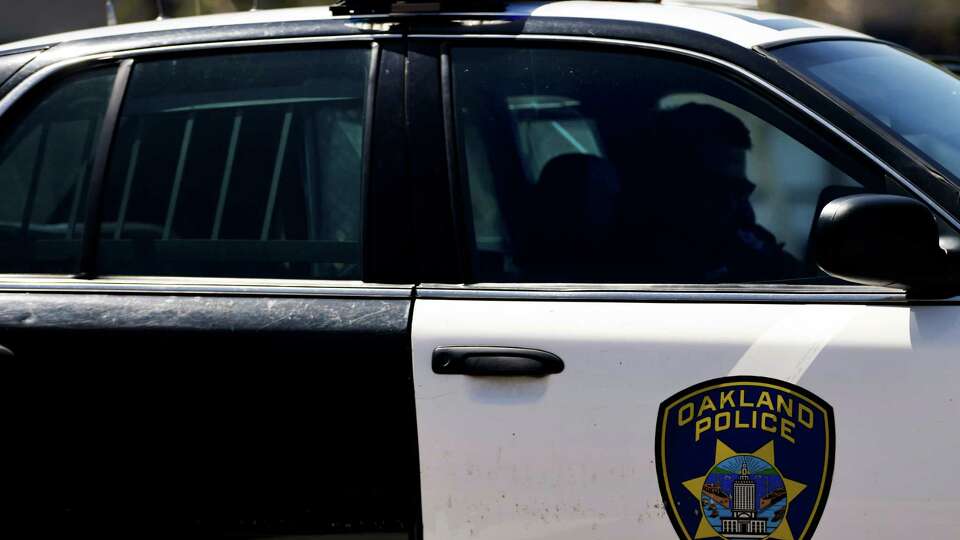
x=724, y=452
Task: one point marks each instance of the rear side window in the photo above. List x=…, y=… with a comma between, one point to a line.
x=240, y=165
x=46, y=153
x=599, y=166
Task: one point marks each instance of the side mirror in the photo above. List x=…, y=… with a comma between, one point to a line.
x=886, y=241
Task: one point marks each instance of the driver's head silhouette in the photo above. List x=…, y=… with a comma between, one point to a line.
x=710, y=232
x=704, y=151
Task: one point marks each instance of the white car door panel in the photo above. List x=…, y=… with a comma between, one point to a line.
x=603, y=166
x=571, y=455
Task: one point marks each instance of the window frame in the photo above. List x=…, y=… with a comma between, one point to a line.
x=381, y=178
x=832, y=141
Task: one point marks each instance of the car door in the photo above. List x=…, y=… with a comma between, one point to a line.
x=200, y=343
x=637, y=224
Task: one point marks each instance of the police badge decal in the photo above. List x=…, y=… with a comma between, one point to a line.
x=745, y=458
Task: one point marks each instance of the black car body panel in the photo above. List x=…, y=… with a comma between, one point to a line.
x=158, y=415
x=196, y=408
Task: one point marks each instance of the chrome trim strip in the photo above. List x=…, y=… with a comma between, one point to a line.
x=799, y=288
x=705, y=295
x=42, y=74
x=944, y=214
x=204, y=287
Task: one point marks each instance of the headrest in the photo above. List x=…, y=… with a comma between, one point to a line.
x=579, y=189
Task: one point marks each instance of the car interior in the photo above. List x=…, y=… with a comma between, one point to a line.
x=571, y=185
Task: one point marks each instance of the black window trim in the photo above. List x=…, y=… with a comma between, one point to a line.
x=88, y=280
x=91, y=225
x=461, y=206
x=679, y=292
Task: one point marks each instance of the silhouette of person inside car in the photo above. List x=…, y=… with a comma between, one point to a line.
x=686, y=219
x=694, y=212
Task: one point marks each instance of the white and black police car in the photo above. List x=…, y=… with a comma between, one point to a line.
x=548, y=270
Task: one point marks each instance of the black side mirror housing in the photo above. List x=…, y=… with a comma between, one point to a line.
x=885, y=241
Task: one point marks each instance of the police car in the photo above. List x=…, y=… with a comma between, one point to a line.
x=564, y=270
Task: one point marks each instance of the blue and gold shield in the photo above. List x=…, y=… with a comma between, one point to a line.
x=745, y=458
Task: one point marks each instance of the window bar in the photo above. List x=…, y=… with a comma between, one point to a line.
x=227, y=173
x=277, y=169
x=310, y=179
x=178, y=177
x=35, y=181
x=128, y=183
x=310, y=174
x=88, y=168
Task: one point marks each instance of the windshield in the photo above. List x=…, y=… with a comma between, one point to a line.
x=915, y=101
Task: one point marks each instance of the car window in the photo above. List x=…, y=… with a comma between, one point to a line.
x=909, y=98
x=611, y=167
x=239, y=165
x=46, y=152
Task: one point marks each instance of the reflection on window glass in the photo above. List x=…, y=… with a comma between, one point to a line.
x=909, y=97
x=590, y=166
x=549, y=126
x=244, y=165
x=46, y=151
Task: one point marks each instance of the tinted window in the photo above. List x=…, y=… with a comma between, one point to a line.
x=904, y=95
x=242, y=165
x=592, y=166
x=46, y=151
x=11, y=63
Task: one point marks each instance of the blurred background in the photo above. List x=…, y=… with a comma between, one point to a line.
x=929, y=26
